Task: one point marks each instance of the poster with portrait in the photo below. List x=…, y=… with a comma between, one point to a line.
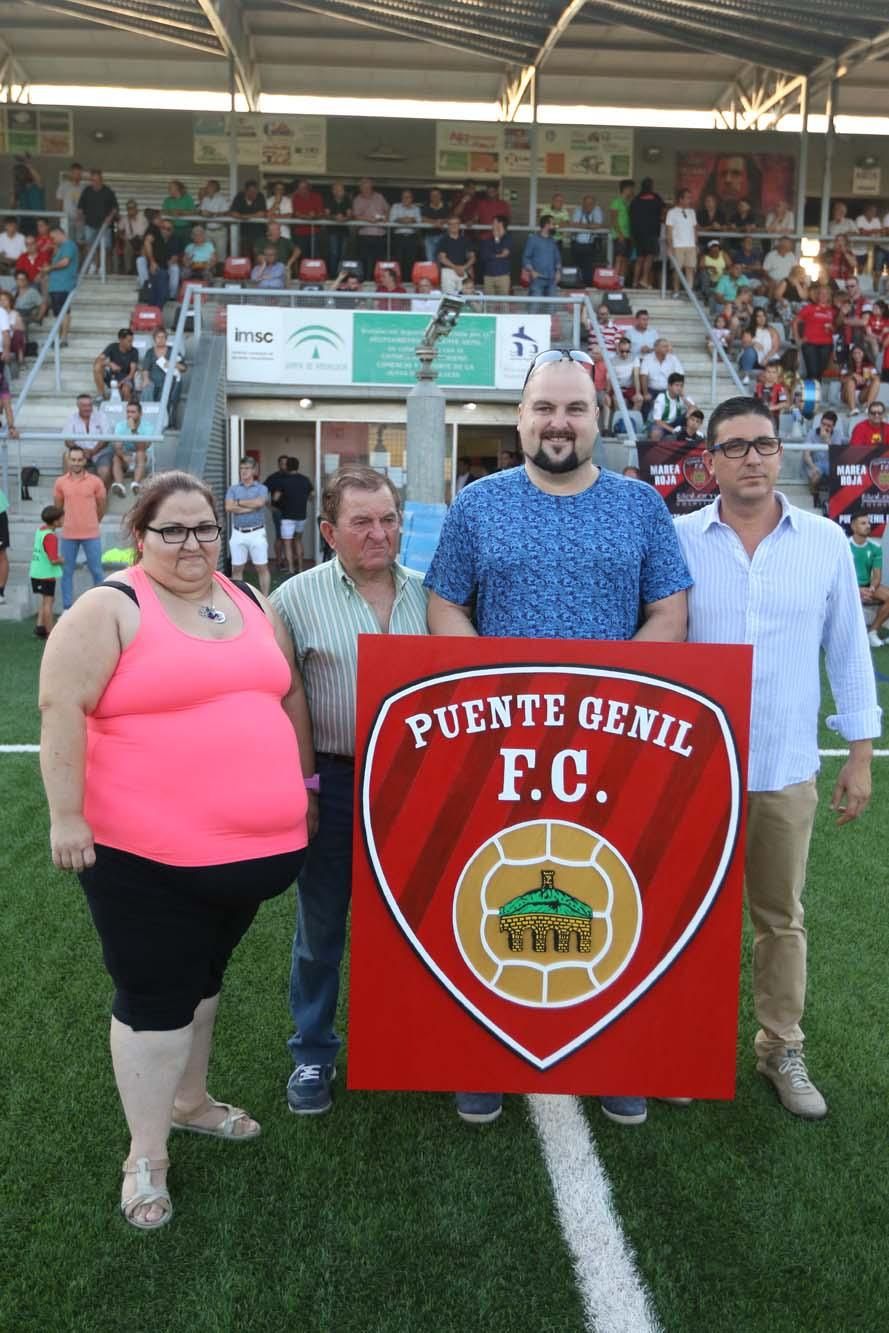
x=766, y=179
x=547, y=866
x=677, y=473
x=859, y=481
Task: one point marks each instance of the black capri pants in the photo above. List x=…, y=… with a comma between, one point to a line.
x=168, y=932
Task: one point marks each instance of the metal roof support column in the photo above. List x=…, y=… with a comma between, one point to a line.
x=803, y=164
x=234, y=230
x=532, y=139
x=831, y=110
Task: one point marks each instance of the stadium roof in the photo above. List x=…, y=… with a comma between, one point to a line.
x=605, y=52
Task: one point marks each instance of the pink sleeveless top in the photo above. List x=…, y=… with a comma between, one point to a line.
x=191, y=760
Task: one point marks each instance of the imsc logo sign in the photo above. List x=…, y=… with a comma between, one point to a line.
x=549, y=876
x=254, y=344
x=254, y=336
x=318, y=350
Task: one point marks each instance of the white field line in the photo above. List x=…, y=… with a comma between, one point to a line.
x=825, y=754
x=614, y=1299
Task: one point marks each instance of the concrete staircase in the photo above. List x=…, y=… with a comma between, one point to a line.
x=99, y=310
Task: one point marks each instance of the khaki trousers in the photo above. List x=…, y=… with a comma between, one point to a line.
x=501, y=285
x=779, y=830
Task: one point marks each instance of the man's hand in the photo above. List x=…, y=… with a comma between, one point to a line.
x=851, y=795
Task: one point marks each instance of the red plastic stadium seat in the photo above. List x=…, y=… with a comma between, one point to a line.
x=146, y=318
x=391, y=264
x=236, y=268
x=424, y=269
x=312, y=270
x=607, y=280
x=192, y=282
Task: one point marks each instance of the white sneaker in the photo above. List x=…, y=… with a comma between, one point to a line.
x=874, y=639
x=118, y=488
x=135, y=488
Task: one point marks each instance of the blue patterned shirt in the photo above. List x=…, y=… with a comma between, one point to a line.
x=547, y=566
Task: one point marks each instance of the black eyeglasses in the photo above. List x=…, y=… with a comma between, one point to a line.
x=764, y=445
x=558, y=354
x=174, y=534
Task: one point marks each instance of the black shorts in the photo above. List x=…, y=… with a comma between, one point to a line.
x=57, y=300
x=647, y=245
x=168, y=932
x=620, y=248
x=44, y=587
x=4, y=531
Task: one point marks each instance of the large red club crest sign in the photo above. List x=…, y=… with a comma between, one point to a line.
x=548, y=864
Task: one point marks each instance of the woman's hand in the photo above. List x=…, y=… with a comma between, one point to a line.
x=71, y=840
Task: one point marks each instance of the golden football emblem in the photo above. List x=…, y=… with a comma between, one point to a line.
x=547, y=913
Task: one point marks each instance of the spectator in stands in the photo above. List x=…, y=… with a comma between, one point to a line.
x=692, y=432
x=727, y=287
x=212, y=203
x=273, y=486
x=308, y=206
x=247, y=204
x=641, y=335
x=435, y=211
x=370, y=208
x=98, y=204
x=484, y=210
x=131, y=228
x=713, y=263
x=646, y=213
x=153, y=372
x=455, y=258
x=542, y=260
x=765, y=339
x=177, y=204
x=682, y=237
x=88, y=419
x=669, y=409
x=866, y=224
x=813, y=330
x=119, y=361
x=816, y=462
x=269, y=272
x=286, y=251
x=619, y=222
x=389, y=285
x=560, y=213
x=12, y=245
x=29, y=194
x=81, y=496
x=463, y=201
x=710, y=214
x=130, y=450
x=339, y=209
x=777, y=267
x=5, y=396
x=855, y=319
x=68, y=193
x=159, y=263
x=771, y=390
x=34, y=265
x=61, y=278
x=840, y=224
x=16, y=327
x=780, y=218
x=46, y=565
x=29, y=302
x=626, y=372
x=427, y=299
x=207, y=672
x=750, y=257
x=347, y=281
x=586, y=246
x=246, y=501
x=406, y=216
x=862, y=383
x=842, y=264
x=748, y=356
x=280, y=206
x=495, y=255
x=876, y=330
x=199, y=259
x=744, y=218
x=872, y=431
x=868, y=557
x=720, y=334
x=743, y=310
x=655, y=370
x=291, y=495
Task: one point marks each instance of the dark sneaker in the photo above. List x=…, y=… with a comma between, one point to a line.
x=797, y=1093
x=40, y=632
x=479, y=1108
x=308, y=1090
x=625, y=1110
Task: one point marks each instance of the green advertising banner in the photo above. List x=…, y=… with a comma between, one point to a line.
x=384, y=349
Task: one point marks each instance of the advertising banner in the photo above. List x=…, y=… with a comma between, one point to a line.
x=548, y=866
x=766, y=179
x=576, y=152
x=677, y=473
x=293, y=143
x=466, y=150
x=40, y=131
x=859, y=480
x=273, y=344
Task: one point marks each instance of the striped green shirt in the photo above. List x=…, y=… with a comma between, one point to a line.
x=325, y=613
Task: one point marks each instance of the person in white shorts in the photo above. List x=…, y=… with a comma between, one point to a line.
x=246, y=502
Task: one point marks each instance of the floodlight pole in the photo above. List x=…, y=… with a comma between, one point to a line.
x=426, y=430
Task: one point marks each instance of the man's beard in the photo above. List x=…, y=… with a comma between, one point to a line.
x=569, y=463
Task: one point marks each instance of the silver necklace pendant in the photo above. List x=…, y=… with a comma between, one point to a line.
x=211, y=613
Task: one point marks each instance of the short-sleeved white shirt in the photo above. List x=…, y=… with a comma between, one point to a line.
x=682, y=221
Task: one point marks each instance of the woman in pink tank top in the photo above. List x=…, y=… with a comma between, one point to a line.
x=176, y=748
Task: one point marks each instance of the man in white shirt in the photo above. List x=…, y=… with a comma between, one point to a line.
x=68, y=192
x=586, y=245
x=88, y=419
x=641, y=335
x=867, y=224
x=213, y=203
x=12, y=245
x=778, y=265
x=682, y=237
x=656, y=368
x=839, y=224
x=783, y=580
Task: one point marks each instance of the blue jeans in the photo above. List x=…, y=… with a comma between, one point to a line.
x=92, y=547
x=323, y=894
x=543, y=287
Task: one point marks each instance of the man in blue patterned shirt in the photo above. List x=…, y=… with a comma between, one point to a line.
x=558, y=549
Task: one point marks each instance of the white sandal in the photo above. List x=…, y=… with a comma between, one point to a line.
x=225, y=1129
x=146, y=1193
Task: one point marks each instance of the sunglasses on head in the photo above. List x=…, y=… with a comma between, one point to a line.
x=559, y=354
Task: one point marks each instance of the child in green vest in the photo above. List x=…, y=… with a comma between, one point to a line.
x=46, y=561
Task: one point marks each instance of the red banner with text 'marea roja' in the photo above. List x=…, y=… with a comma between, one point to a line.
x=548, y=866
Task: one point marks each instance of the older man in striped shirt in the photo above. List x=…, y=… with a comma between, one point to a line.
x=781, y=579
x=362, y=590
